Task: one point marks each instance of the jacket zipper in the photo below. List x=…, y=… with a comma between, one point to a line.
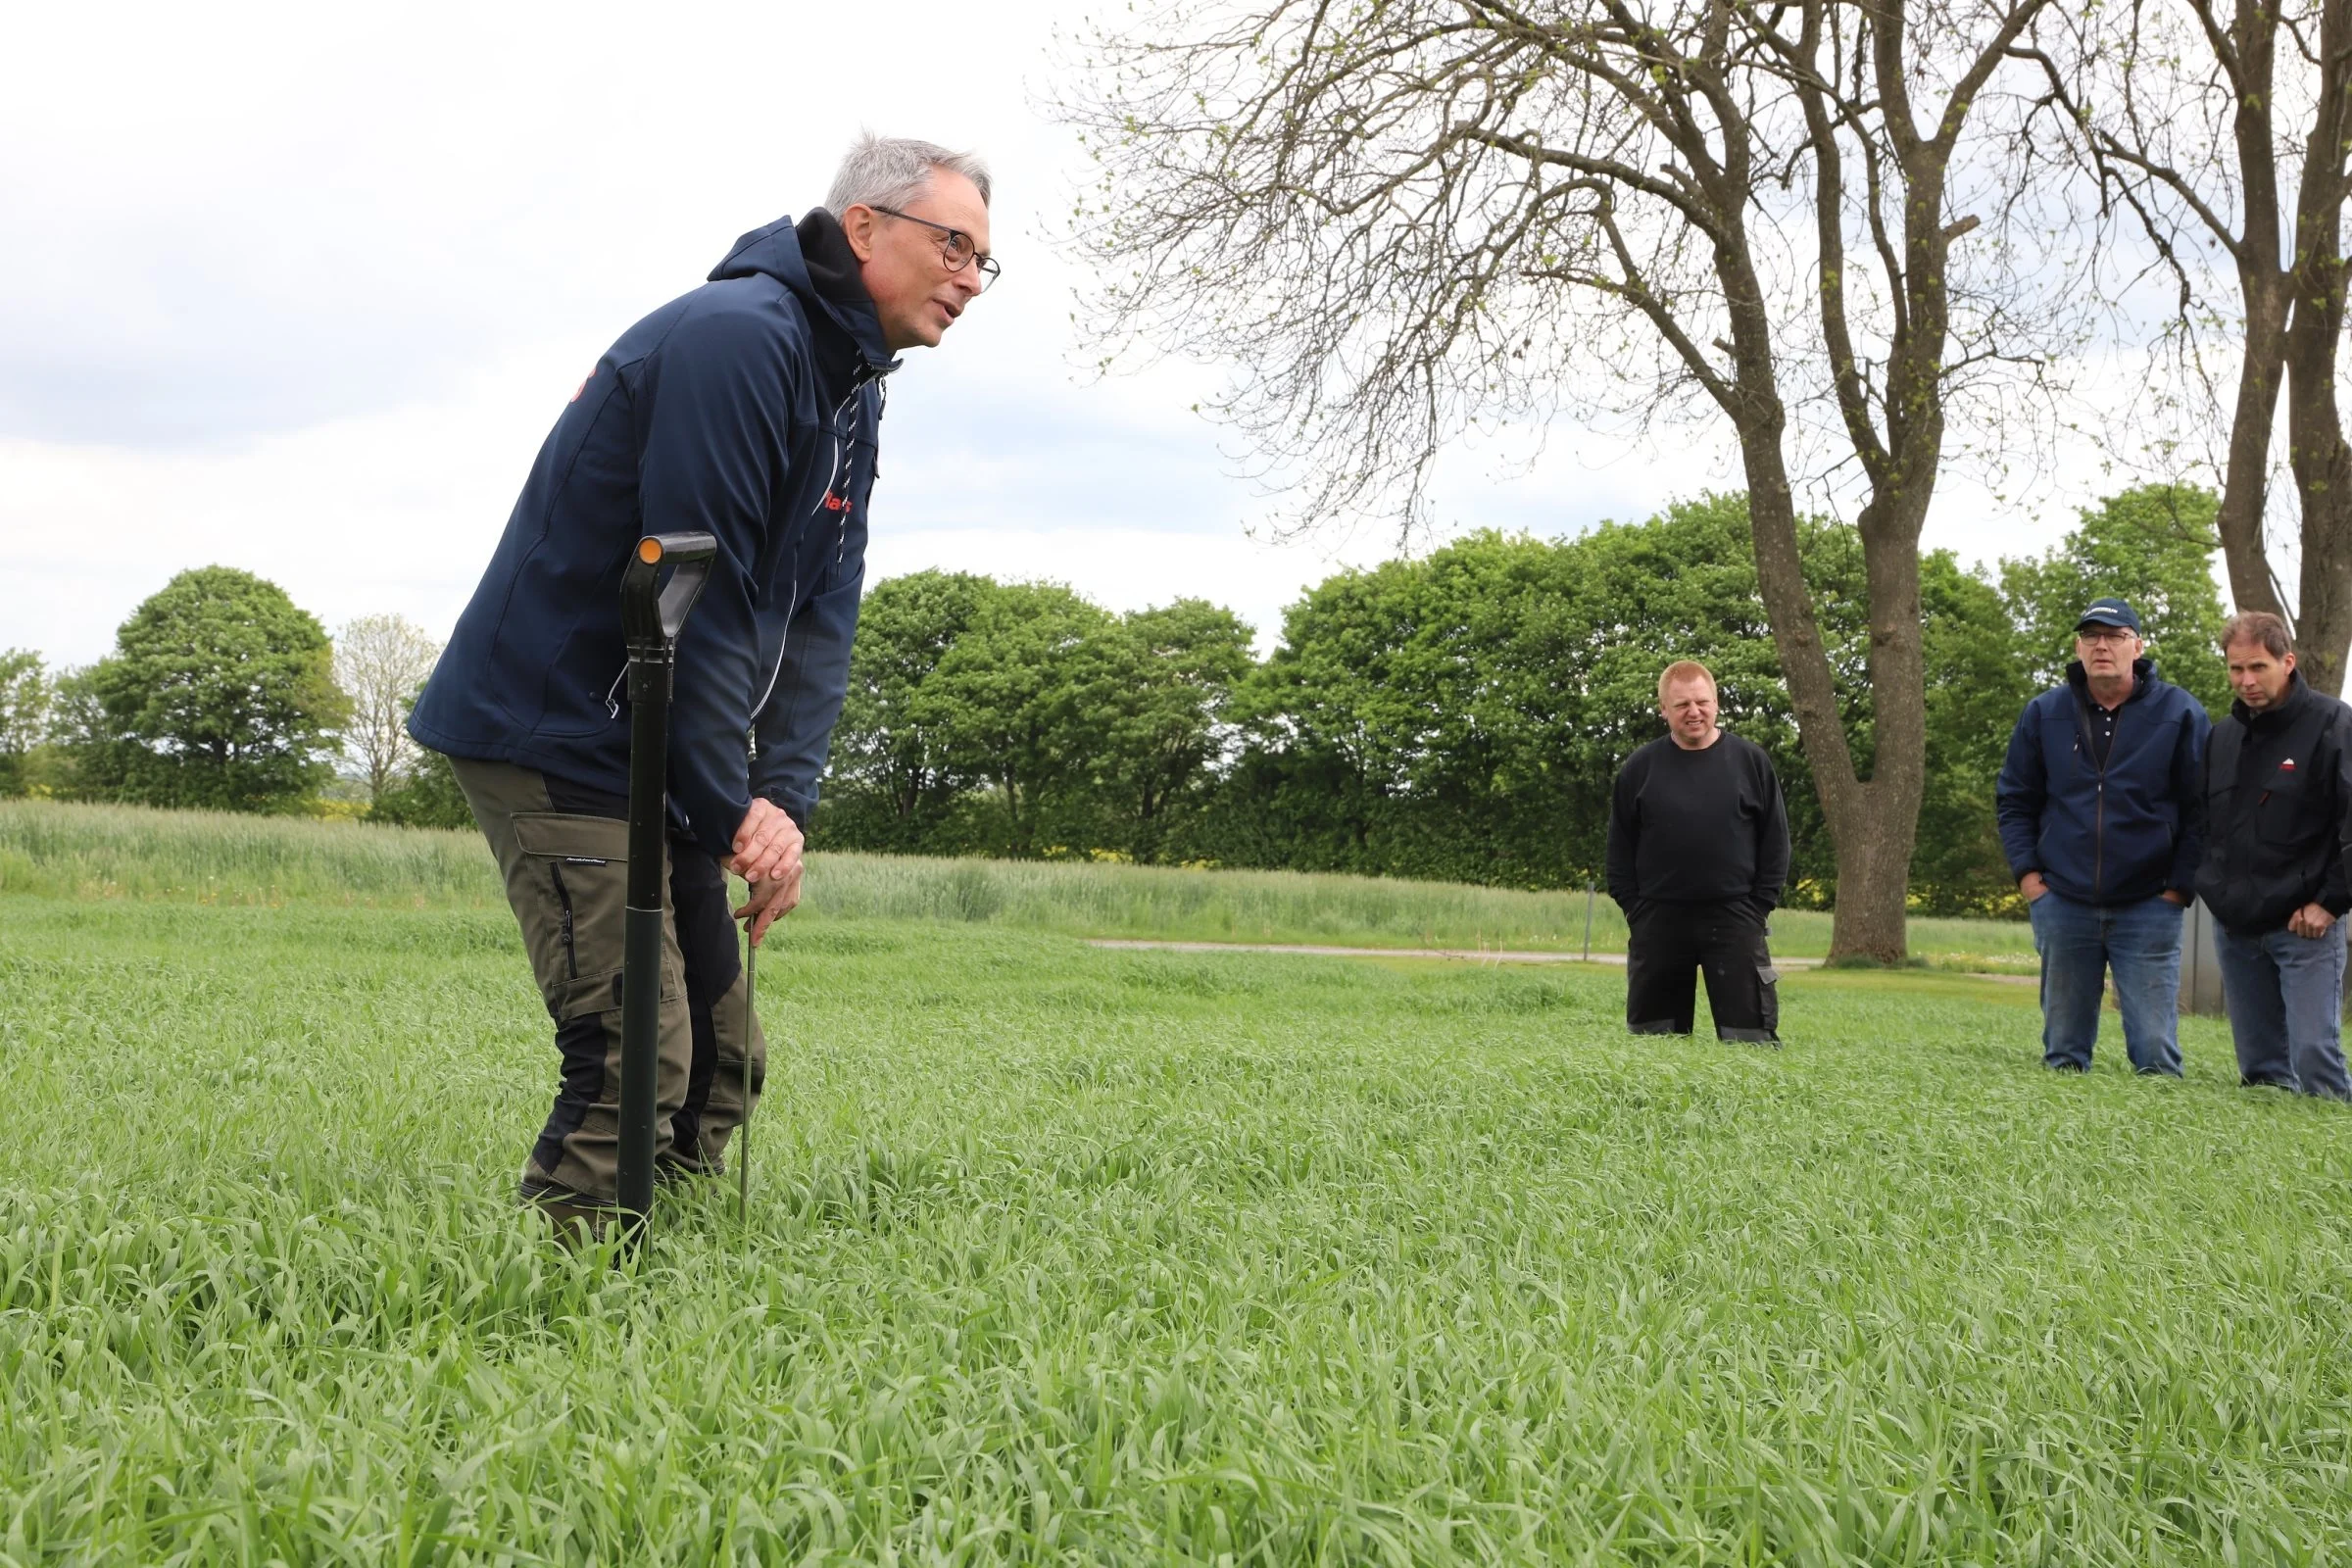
x=2098, y=838
x=840, y=544
x=2098, y=828
x=2086, y=740
x=840, y=541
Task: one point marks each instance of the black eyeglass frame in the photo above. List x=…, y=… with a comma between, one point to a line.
x=989, y=271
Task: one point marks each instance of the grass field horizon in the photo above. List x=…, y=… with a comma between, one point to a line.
x=71, y=850
x=1065, y=1255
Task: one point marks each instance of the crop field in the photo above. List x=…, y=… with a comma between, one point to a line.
x=1057, y=1255
x=118, y=852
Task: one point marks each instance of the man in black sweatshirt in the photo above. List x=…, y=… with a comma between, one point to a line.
x=1698, y=849
x=2277, y=791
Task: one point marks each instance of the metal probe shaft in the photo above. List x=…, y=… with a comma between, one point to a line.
x=751, y=1022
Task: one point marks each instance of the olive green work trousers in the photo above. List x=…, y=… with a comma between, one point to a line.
x=564, y=851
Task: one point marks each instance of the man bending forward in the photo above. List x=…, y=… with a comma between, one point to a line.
x=747, y=409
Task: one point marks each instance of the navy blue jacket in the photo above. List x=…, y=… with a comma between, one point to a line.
x=747, y=409
x=2108, y=835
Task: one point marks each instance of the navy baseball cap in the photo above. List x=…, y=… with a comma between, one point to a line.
x=2109, y=613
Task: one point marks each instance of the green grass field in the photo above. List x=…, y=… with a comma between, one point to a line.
x=1065, y=1255
x=115, y=851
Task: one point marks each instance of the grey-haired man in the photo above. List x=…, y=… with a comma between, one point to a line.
x=748, y=408
x=2101, y=811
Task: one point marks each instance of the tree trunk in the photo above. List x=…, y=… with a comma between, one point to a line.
x=2323, y=628
x=2323, y=467
x=2246, y=478
x=2315, y=333
x=1870, y=826
x=2264, y=293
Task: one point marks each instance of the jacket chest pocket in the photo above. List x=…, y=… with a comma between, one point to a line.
x=2279, y=806
x=2065, y=746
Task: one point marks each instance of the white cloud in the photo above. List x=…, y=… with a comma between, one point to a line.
x=299, y=289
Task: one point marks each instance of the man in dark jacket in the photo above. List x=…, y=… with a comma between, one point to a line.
x=747, y=409
x=1698, y=849
x=2278, y=830
x=2101, y=813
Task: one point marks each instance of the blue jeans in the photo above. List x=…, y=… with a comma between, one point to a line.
x=2285, y=996
x=2078, y=942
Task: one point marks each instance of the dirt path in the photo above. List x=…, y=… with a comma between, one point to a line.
x=1466, y=955
x=1473, y=954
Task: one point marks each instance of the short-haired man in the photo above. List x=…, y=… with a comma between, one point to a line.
x=747, y=409
x=2278, y=813
x=2101, y=803
x=1699, y=849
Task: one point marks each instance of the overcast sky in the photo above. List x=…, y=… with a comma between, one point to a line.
x=300, y=289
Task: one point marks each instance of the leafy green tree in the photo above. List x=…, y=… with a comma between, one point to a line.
x=1154, y=689
x=220, y=693
x=1007, y=694
x=424, y=792
x=1682, y=586
x=2153, y=545
x=78, y=760
x=26, y=696
x=422, y=789
x=1332, y=719
x=382, y=662
x=898, y=779
x=1976, y=685
x=1464, y=715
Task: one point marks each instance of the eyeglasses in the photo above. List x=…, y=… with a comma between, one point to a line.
x=2101, y=633
x=955, y=248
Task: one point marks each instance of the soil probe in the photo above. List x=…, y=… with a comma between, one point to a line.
x=651, y=616
x=742, y=1129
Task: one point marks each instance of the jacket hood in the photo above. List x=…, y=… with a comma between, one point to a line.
x=2297, y=693
x=807, y=257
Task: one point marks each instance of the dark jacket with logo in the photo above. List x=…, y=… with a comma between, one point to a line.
x=2277, y=791
x=2116, y=833
x=747, y=409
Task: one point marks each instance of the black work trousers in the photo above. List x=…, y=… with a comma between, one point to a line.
x=1671, y=943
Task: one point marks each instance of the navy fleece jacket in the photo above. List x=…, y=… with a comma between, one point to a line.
x=747, y=409
x=2112, y=833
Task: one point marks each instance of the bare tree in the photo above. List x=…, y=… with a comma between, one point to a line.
x=380, y=661
x=2225, y=131
x=1401, y=218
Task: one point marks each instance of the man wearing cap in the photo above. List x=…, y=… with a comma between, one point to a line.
x=2278, y=788
x=2101, y=812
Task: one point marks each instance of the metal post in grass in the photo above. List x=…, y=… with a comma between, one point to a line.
x=1590, y=885
x=651, y=612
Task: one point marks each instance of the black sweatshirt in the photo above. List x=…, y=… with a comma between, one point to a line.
x=1697, y=827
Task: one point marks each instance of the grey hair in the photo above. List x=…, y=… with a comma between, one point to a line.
x=891, y=170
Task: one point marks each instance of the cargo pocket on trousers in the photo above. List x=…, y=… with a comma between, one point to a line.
x=1768, y=996
x=583, y=864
